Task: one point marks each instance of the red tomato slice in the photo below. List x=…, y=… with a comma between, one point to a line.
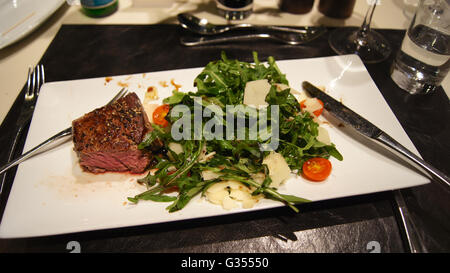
x=317, y=169
x=317, y=112
x=159, y=115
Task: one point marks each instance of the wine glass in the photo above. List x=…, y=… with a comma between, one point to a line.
x=371, y=46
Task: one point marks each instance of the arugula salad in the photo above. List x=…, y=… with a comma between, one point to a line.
x=226, y=169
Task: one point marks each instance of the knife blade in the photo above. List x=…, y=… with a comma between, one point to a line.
x=36, y=77
x=368, y=129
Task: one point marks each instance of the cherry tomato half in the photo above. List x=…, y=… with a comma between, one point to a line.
x=317, y=169
x=159, y=115
x=317, y=112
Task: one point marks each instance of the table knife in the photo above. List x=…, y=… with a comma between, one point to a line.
x=366, y=128
x=23, y=120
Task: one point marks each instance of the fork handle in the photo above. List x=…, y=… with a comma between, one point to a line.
x=35, y=150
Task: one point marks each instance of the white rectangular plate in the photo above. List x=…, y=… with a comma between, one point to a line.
x=50, y=195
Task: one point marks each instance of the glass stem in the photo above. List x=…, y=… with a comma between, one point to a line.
x=365, y=27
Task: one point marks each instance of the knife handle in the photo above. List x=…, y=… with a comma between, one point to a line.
x=439, y=176
x=17, y=135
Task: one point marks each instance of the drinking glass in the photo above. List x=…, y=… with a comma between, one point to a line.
x=371, y=46
x=423, y=60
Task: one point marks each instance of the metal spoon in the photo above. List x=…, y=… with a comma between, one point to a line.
x=287, y=38
x=203, y=27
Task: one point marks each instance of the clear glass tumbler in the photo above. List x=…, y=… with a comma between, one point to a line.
x=424, y=58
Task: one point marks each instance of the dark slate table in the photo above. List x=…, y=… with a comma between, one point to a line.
x=340, y=225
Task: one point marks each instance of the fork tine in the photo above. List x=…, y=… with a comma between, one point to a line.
x=119, y=95
x=29, y=80
x=34, y=81
x=123, y=93
x=38, y=79
x=42, y=75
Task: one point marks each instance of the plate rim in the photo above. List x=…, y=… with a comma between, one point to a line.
x=36, y=23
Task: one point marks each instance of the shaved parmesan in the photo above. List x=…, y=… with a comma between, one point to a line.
x=209, y=175
x=217, y=197
x=239, y=195
x=228, y=203
x=255, y=93
x=249, y=203
x=282, y=86
x=231, y=194
x=258, y=177
x=176, y=147
x=236, y=185
x=217, y=187
x=311, y=105
x=279, y=170
x=323, y=136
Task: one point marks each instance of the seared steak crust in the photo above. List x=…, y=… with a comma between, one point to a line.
x=106, y=139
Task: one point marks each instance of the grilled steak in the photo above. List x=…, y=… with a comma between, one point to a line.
x=107, y=138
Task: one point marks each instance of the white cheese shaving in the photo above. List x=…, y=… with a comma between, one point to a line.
x=176, y=147
x=279, y=170
x=312, y=105
x=282, y=86
x=231, y=194
x=323, y=136
x=255, y=93
x=209, y=175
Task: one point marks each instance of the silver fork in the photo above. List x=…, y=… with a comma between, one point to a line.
x=59, y=136
x=36, y=78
